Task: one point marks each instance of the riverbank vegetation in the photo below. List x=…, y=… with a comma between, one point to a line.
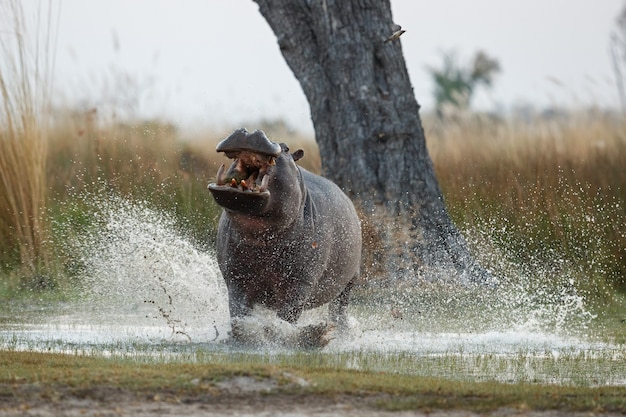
x=543, y=193
x=545, y=190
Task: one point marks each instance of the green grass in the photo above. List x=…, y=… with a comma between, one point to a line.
x=572, y=379
x=80, y=375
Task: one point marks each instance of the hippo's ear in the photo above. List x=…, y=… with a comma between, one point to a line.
x=297, y=155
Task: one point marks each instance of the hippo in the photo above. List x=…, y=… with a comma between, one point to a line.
x=287, y=239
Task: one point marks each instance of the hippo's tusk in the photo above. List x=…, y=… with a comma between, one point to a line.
x=252, y=180
x=264, y=183
x=221, y=175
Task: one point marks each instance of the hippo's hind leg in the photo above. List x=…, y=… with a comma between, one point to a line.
x=337, y=308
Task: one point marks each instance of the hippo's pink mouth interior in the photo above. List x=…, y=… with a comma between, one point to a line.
x=248, y=172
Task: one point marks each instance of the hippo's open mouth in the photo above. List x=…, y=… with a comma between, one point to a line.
x=244, y=185
x=248, y=172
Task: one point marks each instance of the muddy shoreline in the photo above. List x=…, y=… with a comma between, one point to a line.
x=33, y=401
x=232, y=399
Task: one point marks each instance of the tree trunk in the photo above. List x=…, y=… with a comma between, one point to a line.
x=369, y=132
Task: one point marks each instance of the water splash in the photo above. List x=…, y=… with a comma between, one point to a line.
x=536, y=294
x=140, y=270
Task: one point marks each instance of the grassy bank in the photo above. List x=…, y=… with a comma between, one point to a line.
x=26, y=377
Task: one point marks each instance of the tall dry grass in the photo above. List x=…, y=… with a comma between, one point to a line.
x=547, y=188
x=25, y=70
x=544, y=190
x=143, y=161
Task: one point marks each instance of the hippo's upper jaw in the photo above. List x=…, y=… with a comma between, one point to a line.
x=243, y=187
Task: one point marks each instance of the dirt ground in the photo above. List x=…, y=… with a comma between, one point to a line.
x=235, y=398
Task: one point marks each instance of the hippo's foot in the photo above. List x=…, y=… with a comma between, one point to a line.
x=250, y=331
x=315, y=336
x=241, y=335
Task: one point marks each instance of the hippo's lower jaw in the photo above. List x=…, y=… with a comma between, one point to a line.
x=247, y=202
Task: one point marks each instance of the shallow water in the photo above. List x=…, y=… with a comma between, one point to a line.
x=149, y=292
x=506, y=356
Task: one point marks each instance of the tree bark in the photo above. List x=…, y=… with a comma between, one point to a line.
x=369, y=133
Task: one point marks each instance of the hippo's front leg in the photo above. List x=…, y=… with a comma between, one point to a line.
x=238, y=304
x=239, y=308
x=296, y=300
x=290, y=312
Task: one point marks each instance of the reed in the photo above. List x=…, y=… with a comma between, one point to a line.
x=25, y=69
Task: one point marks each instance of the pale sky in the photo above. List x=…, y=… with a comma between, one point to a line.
x=216, y=62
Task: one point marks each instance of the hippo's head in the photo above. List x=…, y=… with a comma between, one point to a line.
x=263, y=179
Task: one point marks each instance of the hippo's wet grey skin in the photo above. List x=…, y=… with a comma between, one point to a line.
x=287, y=239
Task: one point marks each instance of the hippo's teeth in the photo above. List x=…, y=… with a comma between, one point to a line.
x=233, y=182
x=264, y=183
x=221, y=175
x=243, y=184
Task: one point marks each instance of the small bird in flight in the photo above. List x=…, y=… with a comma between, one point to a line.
x=397, y=32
